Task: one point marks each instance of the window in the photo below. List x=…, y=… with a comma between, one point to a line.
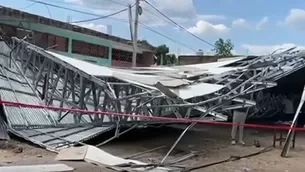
x=88, y=49
x=126, y=56
x=121, y=55
x=54, y=42
x=8, y=30
x=58, y=43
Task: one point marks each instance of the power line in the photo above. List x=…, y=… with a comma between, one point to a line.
x=160, y=34
x=34, y=4
x=48, y=11
x=65, y=8
x=124, y=21
x=181, y=27
x=164, y=31
x=76, y=4
x=77, y=11
x=158, y=17
x=117, y=3
x=175, y=41
x=121, y=20
x=63, y=2
x=28, y=6
x=102, y=17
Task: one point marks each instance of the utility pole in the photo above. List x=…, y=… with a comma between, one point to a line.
x=162, y=58
x=135, y=34
x=130, y=24
x=291, y=132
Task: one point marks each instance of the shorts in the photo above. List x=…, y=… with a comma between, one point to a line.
x=239, y=117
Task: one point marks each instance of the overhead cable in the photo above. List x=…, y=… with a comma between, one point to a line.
x=181, y=27
x=28, y=6
x=169, y=38
x=158, y=17
x=110, y=17
x=117, y=3
x=65, y=8
x=102, y=17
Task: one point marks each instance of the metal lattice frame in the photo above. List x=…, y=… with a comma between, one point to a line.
x=61, y=84
x=77, y=89
x=257, y=73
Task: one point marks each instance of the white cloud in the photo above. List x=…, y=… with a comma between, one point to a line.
x=172, y=8
x=296, y=19
x=267, y=49
x=176, y=8
x=210, y=17
x=97, y=27
x=203, y=27
x=74, y=1
x=261, y=23
x=240, y=23
x=181, y=11
x=243, y=23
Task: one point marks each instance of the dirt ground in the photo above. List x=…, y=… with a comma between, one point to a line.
x=211, y=142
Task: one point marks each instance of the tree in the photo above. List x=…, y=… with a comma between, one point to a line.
x=168, y=59
x=223, y=48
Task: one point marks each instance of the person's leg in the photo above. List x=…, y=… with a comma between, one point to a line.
x=234, y=128
x=242, y=117
x=301, y=120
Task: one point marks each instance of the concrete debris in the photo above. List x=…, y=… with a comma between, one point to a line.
x=94, y=155
x=37, y=168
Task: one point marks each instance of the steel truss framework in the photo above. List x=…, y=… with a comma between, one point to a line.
x=55, y=82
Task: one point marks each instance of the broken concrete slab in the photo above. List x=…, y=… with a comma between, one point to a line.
x=94, y=155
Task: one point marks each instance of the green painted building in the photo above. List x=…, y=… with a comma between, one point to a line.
x=72, y=40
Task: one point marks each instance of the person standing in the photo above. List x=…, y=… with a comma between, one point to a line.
x=239, y=119
x=288, y=111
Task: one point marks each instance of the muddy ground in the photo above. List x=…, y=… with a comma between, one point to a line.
x=211, y=142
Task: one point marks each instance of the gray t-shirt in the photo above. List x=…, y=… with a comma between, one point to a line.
x=288, y=106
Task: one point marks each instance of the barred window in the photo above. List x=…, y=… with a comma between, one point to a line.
x=88, y=49
x=47, y=40
x=121, y=55
x=59, y=43
x=125, y=56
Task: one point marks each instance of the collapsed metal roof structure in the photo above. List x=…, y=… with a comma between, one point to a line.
x=30, y=74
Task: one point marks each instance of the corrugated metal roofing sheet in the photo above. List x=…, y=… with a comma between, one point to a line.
x=28, y=116
x=25, y=116
x=196, y=90
x=87, y=67
x=38, y=125
x=151, y=79
x=3, y=130
x=58, y=138
x=148, y=80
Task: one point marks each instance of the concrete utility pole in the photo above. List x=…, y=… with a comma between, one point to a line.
x=291, y=132
x=135, y=34
x=130, y=24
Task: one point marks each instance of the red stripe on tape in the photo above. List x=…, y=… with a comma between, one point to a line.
x=178, y=120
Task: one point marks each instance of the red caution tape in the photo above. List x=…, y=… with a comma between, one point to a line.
x=178, y=120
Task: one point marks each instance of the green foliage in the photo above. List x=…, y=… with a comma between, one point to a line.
x=223, y=48
x=168, y=59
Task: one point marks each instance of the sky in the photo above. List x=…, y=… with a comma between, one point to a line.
x=255, y=27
